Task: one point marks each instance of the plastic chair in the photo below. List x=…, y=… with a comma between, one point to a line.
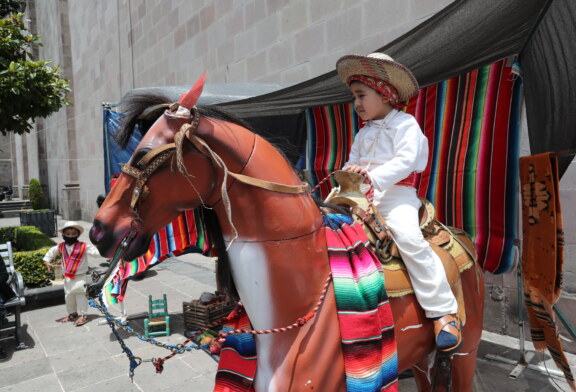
x=158, y=321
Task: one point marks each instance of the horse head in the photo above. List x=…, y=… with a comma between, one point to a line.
x=191, y=158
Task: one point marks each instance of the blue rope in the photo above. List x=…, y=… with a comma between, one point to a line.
x=136, y=361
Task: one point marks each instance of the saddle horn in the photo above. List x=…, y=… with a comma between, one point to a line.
x=348, y=193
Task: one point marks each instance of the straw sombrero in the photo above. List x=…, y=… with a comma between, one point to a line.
x=380, y=66
x=72, y=225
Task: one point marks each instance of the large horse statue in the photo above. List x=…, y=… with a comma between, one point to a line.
x=277, y=246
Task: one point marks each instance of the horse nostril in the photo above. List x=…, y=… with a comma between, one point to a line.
x=96, y=233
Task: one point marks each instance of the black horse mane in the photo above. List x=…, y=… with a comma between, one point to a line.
x=144, y=108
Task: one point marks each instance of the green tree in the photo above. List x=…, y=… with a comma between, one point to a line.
x=35, y=194
x=28, y=89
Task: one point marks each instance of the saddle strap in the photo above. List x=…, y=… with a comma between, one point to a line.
x=371, y=221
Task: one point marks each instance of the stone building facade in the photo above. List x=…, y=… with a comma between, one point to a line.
x=107, y=48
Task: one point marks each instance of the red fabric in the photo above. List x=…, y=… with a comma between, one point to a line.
x=408, y=181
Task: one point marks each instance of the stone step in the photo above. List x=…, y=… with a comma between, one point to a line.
x=14, y=205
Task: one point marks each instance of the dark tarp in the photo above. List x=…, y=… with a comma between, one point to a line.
x=463, y=36
x=549, y=69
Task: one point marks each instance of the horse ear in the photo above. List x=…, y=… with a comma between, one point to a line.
x=189, y=99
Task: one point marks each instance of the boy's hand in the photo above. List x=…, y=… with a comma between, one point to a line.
x=359, y=170
x=48, y=266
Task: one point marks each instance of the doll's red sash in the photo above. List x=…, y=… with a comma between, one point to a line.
x=72, y=261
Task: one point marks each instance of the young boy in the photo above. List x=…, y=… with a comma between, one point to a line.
x=388, y=150
x=75, y=267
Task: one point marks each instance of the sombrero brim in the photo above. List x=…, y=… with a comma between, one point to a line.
x=389, y=70
x=77, y=227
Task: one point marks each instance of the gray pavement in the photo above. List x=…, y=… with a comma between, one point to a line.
x=62, y=357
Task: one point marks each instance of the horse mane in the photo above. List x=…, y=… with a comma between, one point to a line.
x=223, y=268
x=143, y=108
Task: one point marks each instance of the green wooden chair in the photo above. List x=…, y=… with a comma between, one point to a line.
x=158, y=321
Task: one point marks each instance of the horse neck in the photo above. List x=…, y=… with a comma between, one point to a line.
x=279, y=260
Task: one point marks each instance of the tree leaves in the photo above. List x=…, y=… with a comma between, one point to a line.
x=29, y=89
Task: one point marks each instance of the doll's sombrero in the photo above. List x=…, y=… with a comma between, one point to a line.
x=72, y=225
x=379, y=66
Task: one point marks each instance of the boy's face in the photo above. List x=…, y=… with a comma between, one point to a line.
x=369, y=103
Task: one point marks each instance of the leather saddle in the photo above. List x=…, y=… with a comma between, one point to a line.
x=452, y=245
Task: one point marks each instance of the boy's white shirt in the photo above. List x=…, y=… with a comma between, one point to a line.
x=390, y=149
x=91, y=250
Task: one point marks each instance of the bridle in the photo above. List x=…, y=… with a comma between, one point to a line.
x=156, y=157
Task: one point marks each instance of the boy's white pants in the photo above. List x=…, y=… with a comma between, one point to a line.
x=399, y=206
x=75, y=295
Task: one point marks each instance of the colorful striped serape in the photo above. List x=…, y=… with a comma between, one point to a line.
x=473, y=127
x=364, y=313
x=543, y=253
x=72, y=261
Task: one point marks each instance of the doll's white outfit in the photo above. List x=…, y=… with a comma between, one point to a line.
x=391, y=149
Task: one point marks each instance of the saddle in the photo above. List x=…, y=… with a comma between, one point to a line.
x=452, y=245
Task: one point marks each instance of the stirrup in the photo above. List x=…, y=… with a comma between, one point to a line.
x=444, y=323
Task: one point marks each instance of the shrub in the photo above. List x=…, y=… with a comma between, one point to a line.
x=31, y=265
x=25, y=238
x=7, y=234
x=35, y=194
x=30, y=238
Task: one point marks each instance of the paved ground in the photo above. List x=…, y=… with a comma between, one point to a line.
x=62, y=357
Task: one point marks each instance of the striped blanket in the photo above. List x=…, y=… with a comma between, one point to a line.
x=238, y=361
x=472, y=123
x=364, y=314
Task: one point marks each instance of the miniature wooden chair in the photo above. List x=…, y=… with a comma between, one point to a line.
x=158, y=321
